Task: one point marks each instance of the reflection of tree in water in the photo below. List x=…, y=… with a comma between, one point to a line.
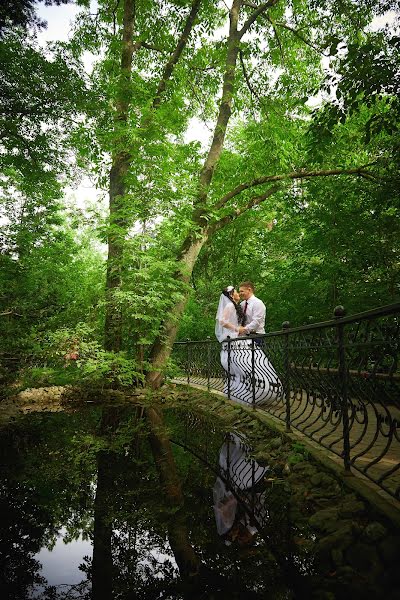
x=22, y=529
x=32, y=501
x=151, y=522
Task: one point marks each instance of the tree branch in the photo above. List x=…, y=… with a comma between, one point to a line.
x=255, y=201
x=224, y=112
x=114, y=16
x=277, y=38
x=169, y=67
x=251, y=89
x=295, y=175
x=254, y=16
x=141, y=44
x=300, y=36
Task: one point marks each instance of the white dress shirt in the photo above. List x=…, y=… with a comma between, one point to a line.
x=255, y=314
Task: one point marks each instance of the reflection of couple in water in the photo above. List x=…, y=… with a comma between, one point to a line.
x=238, y=495
x=251, y=375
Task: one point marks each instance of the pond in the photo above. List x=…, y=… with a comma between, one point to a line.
x=122, y=503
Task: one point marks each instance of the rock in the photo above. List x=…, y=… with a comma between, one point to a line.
x=325, y=494
x=389, y=549
x=275, y=442
x=262, y=457
x=374, y=532
x=304, y=468
x=323, y=480
x=351, y=507
x=325, y=520
x=341, y=538
x=364, y=557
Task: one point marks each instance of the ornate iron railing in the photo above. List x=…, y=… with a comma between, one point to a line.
x=337, y=382
x=243, y=493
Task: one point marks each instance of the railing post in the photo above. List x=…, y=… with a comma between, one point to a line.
x=338, y=313
x=253, y=377
x=229, y=367
x=286, y=366
x=188, y=360
x=208, y=362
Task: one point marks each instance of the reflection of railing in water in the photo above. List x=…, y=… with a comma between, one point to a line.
x=257, y=499
x=337, y=382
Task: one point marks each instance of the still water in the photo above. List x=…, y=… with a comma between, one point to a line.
x=106, y=503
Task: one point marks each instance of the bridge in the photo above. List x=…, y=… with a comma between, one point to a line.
x=336, y=382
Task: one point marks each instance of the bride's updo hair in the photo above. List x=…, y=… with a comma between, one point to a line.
x=228, y=292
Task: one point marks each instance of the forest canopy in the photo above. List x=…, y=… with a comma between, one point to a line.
x=229, y=140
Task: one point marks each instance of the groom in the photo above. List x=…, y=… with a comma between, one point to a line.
x=253, y=308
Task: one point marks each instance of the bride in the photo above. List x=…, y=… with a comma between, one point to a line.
x=242, y=384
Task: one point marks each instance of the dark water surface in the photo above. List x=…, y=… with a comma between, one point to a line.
x=101, y=504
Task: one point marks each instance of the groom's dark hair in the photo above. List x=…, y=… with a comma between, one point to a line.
x=247, y=284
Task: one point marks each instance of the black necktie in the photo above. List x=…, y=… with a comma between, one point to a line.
x=244, y=314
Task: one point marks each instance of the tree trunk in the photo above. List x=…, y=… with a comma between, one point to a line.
x=120, y=165
x=178, y=535
x=196, y=238
x=123, y=159
x=162, y=347
x=102, y=566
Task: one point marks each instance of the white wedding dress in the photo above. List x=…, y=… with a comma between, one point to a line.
x=239, y=382
x=241, y=473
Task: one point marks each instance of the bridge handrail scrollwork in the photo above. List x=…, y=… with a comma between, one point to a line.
x=337, y=382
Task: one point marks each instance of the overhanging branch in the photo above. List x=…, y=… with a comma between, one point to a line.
x=300, y=36
x=255, y=201
x=247, y=78
x=360, y=171
x=169, y=67
x=254, y=16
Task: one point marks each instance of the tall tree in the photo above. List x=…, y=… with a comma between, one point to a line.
x=124, y=155
x=267, y=59
x=208, y=216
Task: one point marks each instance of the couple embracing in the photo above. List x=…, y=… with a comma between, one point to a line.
x=252, y=377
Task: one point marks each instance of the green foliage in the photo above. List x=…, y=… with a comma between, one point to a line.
x=21, y=13
x=51, y=275
x=84, y=360
x=316, y=244
x=313, y=244
x=299, y=453
x=41, y=94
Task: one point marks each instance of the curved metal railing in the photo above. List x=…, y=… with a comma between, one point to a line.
x=338, y=382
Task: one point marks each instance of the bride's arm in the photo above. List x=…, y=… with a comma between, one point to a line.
x=225, y=322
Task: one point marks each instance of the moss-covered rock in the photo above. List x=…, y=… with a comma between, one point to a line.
x=374, y=532
x=389, y=549
x=341, y=538
x=351, y=506
x=364, y=558
x=325, y=520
